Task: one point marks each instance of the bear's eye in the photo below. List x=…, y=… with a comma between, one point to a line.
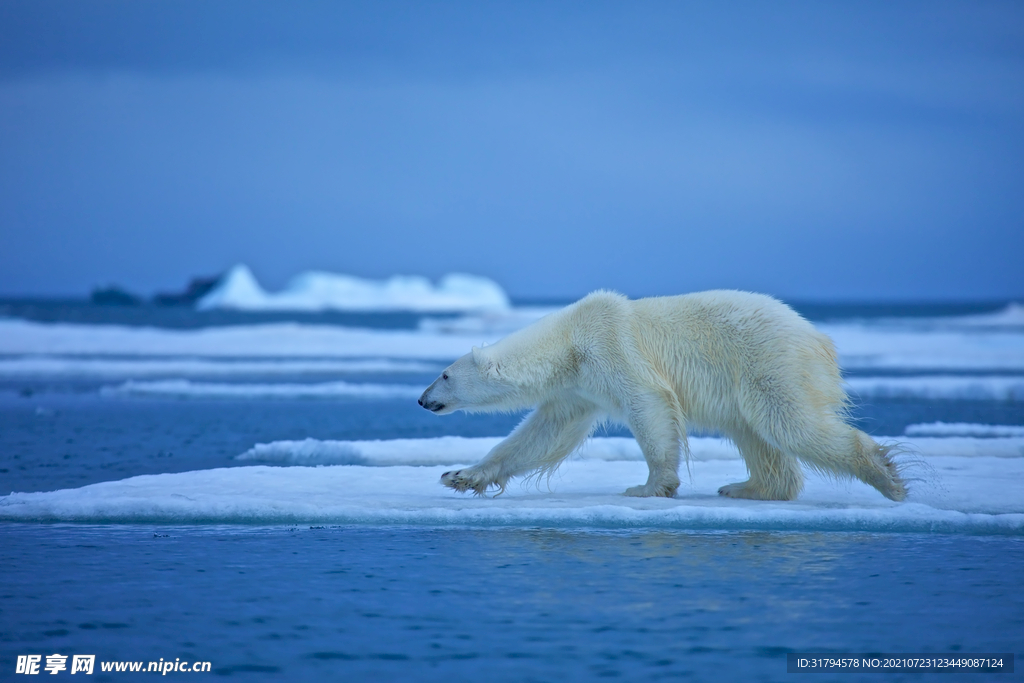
x=444, y=376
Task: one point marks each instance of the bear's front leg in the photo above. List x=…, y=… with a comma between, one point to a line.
x=475, y=478
x=656, y=421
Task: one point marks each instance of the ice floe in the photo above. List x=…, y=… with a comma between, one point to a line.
x=454, y=450
x=963, y=429
x=960, y=496
x=980, y=388
x=186, y=388
x=319, y=291
x=959, y=485
x=860, y=347
x=274, y=340
x=70, y=366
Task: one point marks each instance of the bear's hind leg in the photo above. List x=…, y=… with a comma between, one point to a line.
x=774, y=475
x=845, y=451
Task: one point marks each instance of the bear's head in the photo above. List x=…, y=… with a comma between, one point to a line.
x=474, y=383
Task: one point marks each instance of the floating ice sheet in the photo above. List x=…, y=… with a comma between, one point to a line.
x=186, y=388
x=980, y=388
x=950, y=494
x=454, y=450
x=859, y=347
x=64, y=366
x=961, y=496
x=963, y=429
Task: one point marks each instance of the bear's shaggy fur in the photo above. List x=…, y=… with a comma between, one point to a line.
x=741, y=364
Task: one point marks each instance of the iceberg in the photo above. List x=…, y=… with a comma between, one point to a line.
x=320, y=291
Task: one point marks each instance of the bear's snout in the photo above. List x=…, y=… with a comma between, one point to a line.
x=431, y=405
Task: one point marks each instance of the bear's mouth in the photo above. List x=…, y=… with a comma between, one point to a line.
x=432, y=406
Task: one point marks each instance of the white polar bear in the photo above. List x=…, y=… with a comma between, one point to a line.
x=742, y=364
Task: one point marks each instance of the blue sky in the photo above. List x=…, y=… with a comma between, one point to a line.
x=810, y=150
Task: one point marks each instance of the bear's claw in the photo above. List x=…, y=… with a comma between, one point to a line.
x=464, y=480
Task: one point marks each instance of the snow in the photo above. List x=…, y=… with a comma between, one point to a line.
x=319, y=291
x=981, y=388
x=951, y=492
x=186, y=388
x=963, y=429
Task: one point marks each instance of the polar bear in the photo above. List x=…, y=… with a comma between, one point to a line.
x=742, y=364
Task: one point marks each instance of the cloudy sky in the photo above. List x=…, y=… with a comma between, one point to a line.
x=812, y=150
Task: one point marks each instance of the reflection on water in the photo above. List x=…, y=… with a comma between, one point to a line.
x=522, y=604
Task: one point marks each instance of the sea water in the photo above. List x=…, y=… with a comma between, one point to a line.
x=261, y=493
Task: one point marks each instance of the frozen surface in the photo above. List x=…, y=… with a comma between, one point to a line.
x=1010, y=317
x=861, y=347
x=963, y=429
x=981, y=493
x=185, y=388
x=980, y=388
x=908, y=347
x=450, y=450
x=455, y=450
x=69, y=366
x=274, y=340
x=319, y=291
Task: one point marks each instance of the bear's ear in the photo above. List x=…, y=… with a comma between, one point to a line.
x=486, y=363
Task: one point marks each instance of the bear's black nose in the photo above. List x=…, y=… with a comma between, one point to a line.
x=420, y=402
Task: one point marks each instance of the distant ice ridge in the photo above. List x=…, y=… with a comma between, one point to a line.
x=931, y=388
x=860, y=347
x=983, y=388
x=979, y=495
x=45, y=366
x=489, y=323
x=963, y=429
x=319, y=291
x=273, y=340
x=186, y=388
x=864, y=346
x=1011, y=316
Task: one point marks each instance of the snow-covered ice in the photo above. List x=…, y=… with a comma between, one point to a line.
x=860, y=347
x=455, y=450
x=319, y=291
x=71, y=366
x=953, y=494
x=185, y=388
x=963, y=429
x=980, y=388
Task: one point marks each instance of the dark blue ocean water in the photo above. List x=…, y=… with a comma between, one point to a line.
x=452, y=604
x=510, y=604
